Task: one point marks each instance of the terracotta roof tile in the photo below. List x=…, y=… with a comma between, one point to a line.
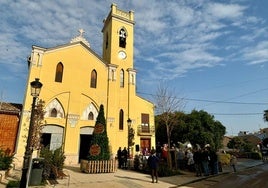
x=10, y=107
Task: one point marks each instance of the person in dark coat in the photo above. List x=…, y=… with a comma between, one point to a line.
x=119, y=158
x=124, y=157
x=158, y=150
x=213, y=161
x=198, y=162
x=205, y=161
x=153, y=161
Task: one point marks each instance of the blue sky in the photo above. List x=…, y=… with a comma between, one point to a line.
x=211, y=53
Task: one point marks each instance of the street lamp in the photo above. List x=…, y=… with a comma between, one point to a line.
x=128, y=138
x=35, y=91
x=129, y=121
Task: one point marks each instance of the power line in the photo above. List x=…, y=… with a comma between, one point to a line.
x=225, y=102
x=203, y=100
x=211, y=101
x=236, y=114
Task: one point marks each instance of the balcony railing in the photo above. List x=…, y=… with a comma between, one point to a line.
x=145, y=130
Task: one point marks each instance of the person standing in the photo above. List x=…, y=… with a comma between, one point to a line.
x=119, y=157
x=190, y=160
x=213, y=162
x=158, y=150
x=124, y=157
x=181, y=161
x=205, y=161
x=165, y=152
x=198, y=162
x=153, y=161
x=233, y=162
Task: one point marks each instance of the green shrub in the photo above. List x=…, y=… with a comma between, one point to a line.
x=52, y=159
x=164, y=170
x=48, y=156
x=6, y=159
x=250, y=155
x=224, y=159
x=136, y=162
x=254, y=155
x=13, y=184
x=58, y=158
x=257, y=155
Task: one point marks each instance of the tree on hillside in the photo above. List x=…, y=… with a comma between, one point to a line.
x=246, y=143
x=99, y=147
x=235, y=143
x=265, y=115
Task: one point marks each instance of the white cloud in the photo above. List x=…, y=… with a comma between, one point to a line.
x=225, y=11
x=258, y=54
x=187, y=34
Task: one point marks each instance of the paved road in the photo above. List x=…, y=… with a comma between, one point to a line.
x=127, y=178
x=251, y=177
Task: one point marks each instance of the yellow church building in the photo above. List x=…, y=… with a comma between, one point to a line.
x=76, y=81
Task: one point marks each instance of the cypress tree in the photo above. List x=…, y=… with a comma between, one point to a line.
x=99, y=146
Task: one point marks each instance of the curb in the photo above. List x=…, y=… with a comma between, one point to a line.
x=211, y=176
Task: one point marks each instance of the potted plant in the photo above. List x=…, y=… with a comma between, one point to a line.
x=6, y=160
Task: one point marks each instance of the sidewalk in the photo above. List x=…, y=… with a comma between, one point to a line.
x=130, y=179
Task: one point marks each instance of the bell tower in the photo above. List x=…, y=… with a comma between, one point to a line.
x=118, y=52
x=118, y=38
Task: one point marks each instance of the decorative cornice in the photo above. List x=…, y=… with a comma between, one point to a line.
x=80, y=37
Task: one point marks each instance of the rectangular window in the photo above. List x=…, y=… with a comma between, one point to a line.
x=145, y=123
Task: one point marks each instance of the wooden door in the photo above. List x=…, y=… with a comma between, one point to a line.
x=145, y=145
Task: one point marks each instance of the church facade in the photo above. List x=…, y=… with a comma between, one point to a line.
x=76, y=81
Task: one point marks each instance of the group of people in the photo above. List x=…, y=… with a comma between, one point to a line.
x=122, y=156
x=202, y=161
x=205, y=161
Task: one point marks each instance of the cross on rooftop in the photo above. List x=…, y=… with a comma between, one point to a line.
x=81, y=31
